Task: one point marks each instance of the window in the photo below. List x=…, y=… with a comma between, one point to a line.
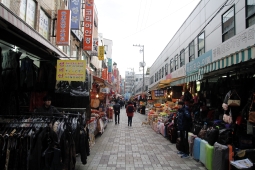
x=155, y=77
x=166, y=68
x=44, y=27
x=176, y=65
x=162, y=70
x=191, y=51
x=159, y=73
x=28, y=12
x=228, y=24
x=201, y=44
x=106, y=47
x=250, y=13
x=136, y=79
x=171, y=65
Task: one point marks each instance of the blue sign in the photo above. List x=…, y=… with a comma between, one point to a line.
x=75, y=7
x=109, y=64
x=202, y=60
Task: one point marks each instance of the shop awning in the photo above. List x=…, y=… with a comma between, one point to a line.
x=103, y=82
x=231, y=60
x=164, y=83
x=18, y=23
x=187, y=79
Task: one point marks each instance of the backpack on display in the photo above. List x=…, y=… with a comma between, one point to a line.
x=130, y=109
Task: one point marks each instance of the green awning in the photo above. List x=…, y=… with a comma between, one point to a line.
x=233, y=59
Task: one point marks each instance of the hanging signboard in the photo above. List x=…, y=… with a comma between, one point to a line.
x=63, y=28
x=101, y=53
x=71, y=70
x=75, y=6
x=88, y=25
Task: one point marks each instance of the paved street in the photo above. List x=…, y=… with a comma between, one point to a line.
x=134, y=148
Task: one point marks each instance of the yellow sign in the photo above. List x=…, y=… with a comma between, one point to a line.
x=101, y=53
x=71, y=70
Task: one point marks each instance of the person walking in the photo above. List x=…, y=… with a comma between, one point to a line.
x=116, y=108
x=184, y=123
x=130, y=112
x=134, y=103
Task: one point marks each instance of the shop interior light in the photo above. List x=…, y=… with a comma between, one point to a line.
x=224, y=76
x=171, y=93
x=97, y=96
x=168, y=96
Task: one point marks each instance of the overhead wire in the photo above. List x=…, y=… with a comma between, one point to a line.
x=138, y=15
x=159, y=20
x=144, y=13
x=148, y=13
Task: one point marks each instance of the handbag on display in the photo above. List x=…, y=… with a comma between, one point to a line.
x=234, y=102
x=252, y=113
x=225, y=136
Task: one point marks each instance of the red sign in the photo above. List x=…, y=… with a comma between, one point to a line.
x=105, y=74
x=88, y=25
x=63, y=28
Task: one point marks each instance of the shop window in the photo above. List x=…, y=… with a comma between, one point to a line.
x=159, y=73
x=27, y=12
x=201, y=44
x=162, y=72
x=250, y=13
x=228, y=24
x=44, y=24
x=166, y=69
x=171, y=65
x=176, y=65
x=191, y=51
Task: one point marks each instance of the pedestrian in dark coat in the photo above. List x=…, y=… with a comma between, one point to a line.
x=130, y=112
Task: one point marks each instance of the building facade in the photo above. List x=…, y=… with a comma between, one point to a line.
x=215, y=36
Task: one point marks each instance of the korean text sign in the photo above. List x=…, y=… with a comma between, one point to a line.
x=88, y=25
x=63, y=28
x=71, y=70
x=202, y=60
x=101, y=53
x=75, y=6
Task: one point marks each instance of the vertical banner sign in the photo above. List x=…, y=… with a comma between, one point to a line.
x=101, y=53
x=95, y=47
x=109, y=64
x=71, y=70
x=63, y=28
x=109, y=77
x=75, y=7
x=88, y=25
x=105, y=74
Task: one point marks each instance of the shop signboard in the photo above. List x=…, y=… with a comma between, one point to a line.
x=109, y=77
x=88, y=25
x=95, y=51
x=71, y=70
x=30, y=13
x=101, y=53
x=193, y=66
x=178, y=73
x=63, y=28
x=241, y=41
x=44, y=24
x=109, y=64
x=75, y=6
x=104, y=74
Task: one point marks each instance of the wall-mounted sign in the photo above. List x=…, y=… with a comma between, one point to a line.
x=88, y=25
x=63, y=28
x=75, y=6
x=30, y=13
x=202, y=60
x=101, y=53
x=78, y=34
x=109, y=65
x=71, y=70
x=44, y=24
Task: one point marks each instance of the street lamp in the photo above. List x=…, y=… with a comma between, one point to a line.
x=141, y=50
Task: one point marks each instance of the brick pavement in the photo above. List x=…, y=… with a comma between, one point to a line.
x=134, y=148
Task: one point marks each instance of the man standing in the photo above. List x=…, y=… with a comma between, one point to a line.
x=116, y=108
x=47, y=107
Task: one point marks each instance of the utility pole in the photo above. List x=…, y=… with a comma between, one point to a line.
x=141, y=50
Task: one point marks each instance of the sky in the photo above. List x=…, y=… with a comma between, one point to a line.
x=151, y=23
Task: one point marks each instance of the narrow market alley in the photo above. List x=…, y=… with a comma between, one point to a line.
x=134, y=148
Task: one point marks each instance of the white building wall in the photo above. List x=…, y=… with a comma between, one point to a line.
x=193, y=26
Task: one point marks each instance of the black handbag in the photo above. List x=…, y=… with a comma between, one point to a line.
x=212, y=136
x=196, y=128
x=245, y=141
x=225, y=136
